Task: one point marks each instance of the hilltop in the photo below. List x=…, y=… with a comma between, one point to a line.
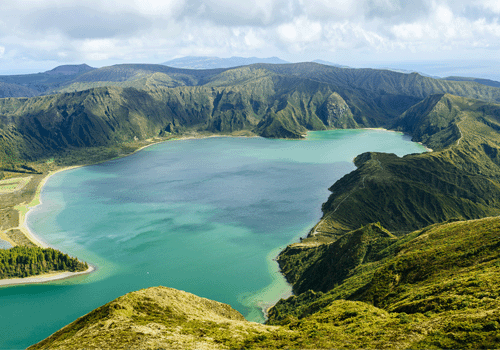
x=28, y=85
x=435, y=288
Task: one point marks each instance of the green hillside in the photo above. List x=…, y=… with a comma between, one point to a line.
x=460, y=179
x=435, y=288
x=383, y=82
x=487, y=82
x=438, y=285
x=140, y=76
x=46, y=126
x=109, y=106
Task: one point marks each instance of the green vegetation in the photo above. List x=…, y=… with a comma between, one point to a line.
x=440, y=282
x=459, y=180
x=109, y=106
x=434, y=288
x=29, y=85
x=24, y=261
x=321, y=267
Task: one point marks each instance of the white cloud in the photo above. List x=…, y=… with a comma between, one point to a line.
x=339, y=9
x=300, y=30
x=446, y=30
x=492, y=5
x=254, y=40
x=69, y=31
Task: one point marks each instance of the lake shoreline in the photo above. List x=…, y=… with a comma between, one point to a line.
x=24, y=208
x=44, y=278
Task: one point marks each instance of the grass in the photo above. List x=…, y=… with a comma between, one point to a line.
x=442, y=280
x=435, y=288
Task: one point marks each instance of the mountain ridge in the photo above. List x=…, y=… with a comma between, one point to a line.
x=204, y=62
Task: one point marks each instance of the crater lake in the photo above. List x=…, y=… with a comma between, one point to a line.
x=207, y=216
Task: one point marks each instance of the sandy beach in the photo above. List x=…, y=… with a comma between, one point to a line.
x=23, y=210
x=47, y=277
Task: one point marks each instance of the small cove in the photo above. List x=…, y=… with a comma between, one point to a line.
x=206, y=216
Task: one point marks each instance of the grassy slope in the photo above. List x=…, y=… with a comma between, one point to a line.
x=385, y=82
x=156, y=318
x=441, y=282
x=435, y=288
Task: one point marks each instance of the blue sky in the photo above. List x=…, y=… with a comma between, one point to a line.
x=36, y=35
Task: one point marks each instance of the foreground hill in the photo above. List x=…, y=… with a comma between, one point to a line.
x=441, y=282
x=435, y=288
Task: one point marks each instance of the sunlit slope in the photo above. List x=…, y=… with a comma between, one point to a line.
x=438, y=285
x=383, y=82
x=140, y=76
x=154, y=318
x=435, y=288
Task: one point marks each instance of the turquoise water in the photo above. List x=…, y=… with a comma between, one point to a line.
x=5, y=244
x=206, y=216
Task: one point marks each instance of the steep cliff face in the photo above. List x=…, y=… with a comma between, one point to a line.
x=112, y=105
x=321, y=268
x=336, y=113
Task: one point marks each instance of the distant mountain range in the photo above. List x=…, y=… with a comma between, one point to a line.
x=181, y=71
x=203, y=62
x=477, y=80
x=328, y=63
x=70, y=69
x=28, y=85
